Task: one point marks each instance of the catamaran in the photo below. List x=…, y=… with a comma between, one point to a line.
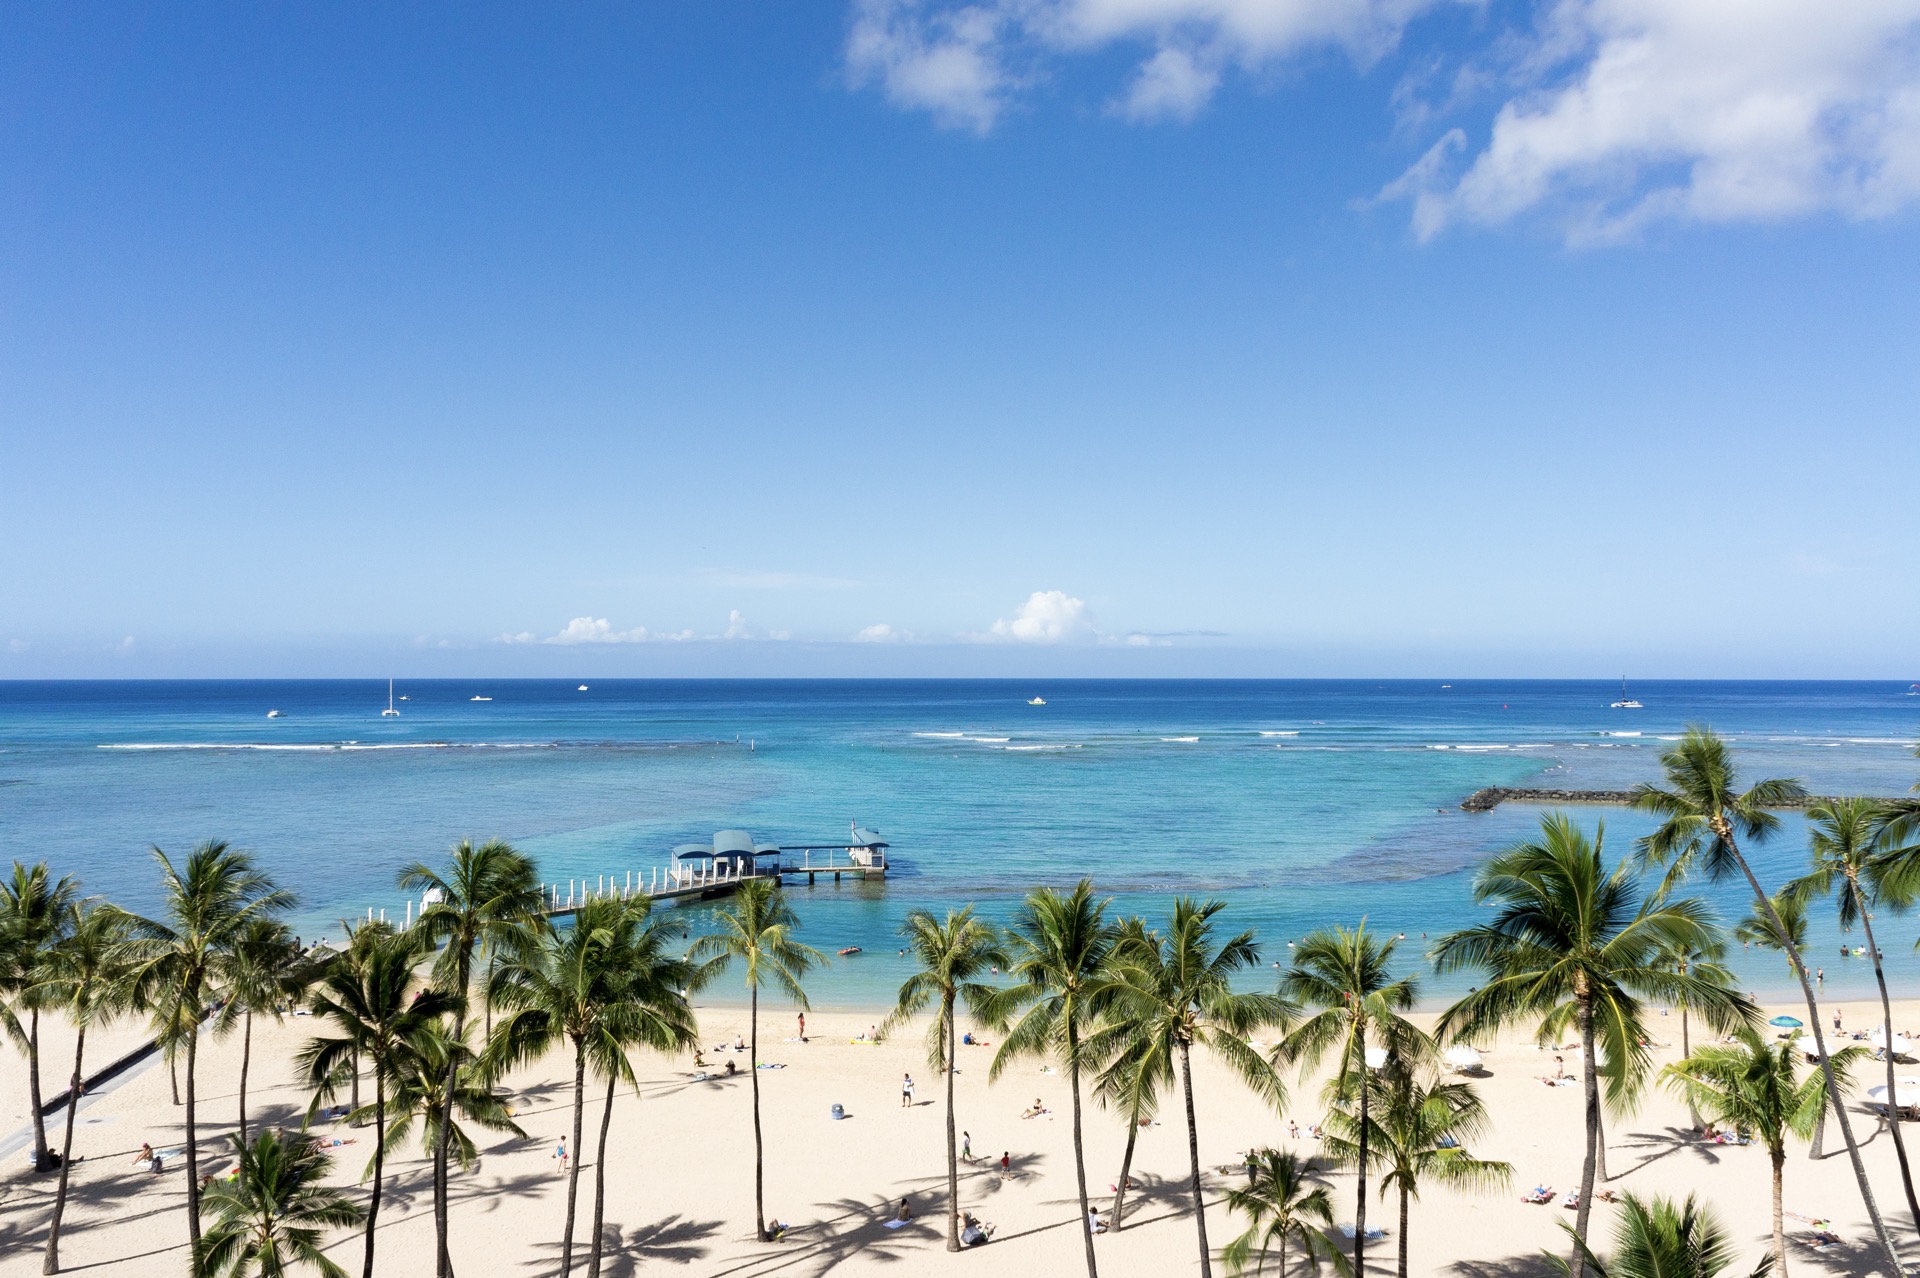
x=389, y=712
x=1625, y=702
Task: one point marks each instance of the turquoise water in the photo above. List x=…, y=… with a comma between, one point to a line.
x=1303, y=802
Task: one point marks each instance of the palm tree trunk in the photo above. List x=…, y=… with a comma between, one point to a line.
x=1686, y=1050
x=1779, y=1157
x=51, y=1265
x=354, y=1100
x=1193, y=1157
x=1725, y=832
x=953, y=1149
x=1126, y=1170
x=1079, y=1150
x=173, y=1076
x=1404, y=1213
x=1588, y=1165
x=33, y=1091
x=1360, y=1208
x=1283, y=1259
x=600, y=1185
x=759, y=1152
x=193, y=1152
x=379, y=1166
x=442, y=1147
x=1600, y=1144
x=573, y=1169
x=1893, y=1111
x=246, y=1059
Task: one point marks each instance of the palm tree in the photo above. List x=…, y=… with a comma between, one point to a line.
x=1059, y=947
x=1754, y=1086
x=1285, y=1206
x=485, y=895
x=1573, y=945
x=265, y=970
x=1173, y=991
x=367, y=995
x=36, y=910
x=1856, y=857
x=1417, y=1134
x=1704, y=962
x=1131, y=1082
x=181, y=958
x=951, y=955
x=1704, y=816
x=86, y=978
x=1759, y=927
x=1348, y=975
x=1656, y=1239
x=270, y=1218
x=416, y=1096
x=757, y=927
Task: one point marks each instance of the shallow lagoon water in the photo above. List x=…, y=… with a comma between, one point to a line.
x=1301, y=802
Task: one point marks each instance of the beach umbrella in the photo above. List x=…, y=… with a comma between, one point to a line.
x=1906, y=1094
x=1376, y=1057
x=1787, y=1022
x=1460, y=1056
x=1900, y=1046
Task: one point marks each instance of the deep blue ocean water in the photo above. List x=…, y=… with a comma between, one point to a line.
x=1301, y=802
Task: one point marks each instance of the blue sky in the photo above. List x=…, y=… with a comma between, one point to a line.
x=1068, y=336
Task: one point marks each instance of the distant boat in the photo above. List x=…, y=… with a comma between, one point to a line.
x=390, y=712
x=583, y=687
x=1625, y=702
x=479, y=698
x=1445, y=686
x=1913, y=690
x=274, y=714
x=1036, y=701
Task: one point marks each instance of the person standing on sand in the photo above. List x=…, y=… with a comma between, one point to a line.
x=560, y=1155
x=1006, y=1162
x=803, y=1027
x=906, y=1091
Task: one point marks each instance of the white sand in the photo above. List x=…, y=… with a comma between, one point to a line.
x=679, y=1169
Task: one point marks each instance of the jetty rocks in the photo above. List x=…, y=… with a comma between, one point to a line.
x=1494, y=795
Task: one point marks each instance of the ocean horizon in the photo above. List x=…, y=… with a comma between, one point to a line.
x=1300, y=802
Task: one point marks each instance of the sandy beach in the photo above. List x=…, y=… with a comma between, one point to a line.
x=679, y=1166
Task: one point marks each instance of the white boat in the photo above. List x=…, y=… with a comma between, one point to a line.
x=1036, y=701
x=583, y=687
x=1625, y=702
x=390, y=712
x=479, y=698
x=274, y=714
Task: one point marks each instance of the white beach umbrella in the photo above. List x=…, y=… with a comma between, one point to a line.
x=1900, y=1046
x=1906, y=1094
x=1460, y=1056
x=1376, y=1057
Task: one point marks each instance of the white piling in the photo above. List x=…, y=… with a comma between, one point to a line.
x=409, y=911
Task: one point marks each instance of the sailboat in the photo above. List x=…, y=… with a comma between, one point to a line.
x=1625, y=702
x=389, y=712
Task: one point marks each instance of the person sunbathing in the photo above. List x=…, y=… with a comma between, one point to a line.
x=1037, y=1109
x=1539, y=1194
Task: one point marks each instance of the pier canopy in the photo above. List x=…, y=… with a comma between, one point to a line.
x=732, y=846
x=865, y=838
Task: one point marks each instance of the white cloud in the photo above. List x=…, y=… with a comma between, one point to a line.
x=963, y=60
x=883, y=633
x=1048, y=616
x=1632, y=112
x=586, y=630
x=18, y=645
x=737, y=627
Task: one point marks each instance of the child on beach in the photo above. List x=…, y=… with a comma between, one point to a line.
x=560, y=1155
x=906, y=1091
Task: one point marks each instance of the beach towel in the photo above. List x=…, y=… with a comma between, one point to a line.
x=897, y=1224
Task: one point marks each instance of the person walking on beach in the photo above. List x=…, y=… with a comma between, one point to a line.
x=906, y=1091
x=560, y=1155
x=1006, y=1161
x=966, y=1145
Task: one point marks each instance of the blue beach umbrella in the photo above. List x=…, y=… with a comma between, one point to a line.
x=1786, y=1022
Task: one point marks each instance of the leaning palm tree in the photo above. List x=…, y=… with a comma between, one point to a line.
x=1286, y=1206
x=181, y=958
x=1657, y=1239
x=1572, y=945
x=756, y=928
x=265, y=972
x=1348, y=975
x=1060, y=946
x=366, y=996
x=86, y=978
x=485, y=896
x=36, y=911
x=1417, y=1135
x=1173, y=991
x=1754, y=1087
x=1132, y=1081
x=1704, y=815
x=1858, y=857
x=269, y=1219
x=952, y=954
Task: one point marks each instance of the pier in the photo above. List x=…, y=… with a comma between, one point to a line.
x=702, y=871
